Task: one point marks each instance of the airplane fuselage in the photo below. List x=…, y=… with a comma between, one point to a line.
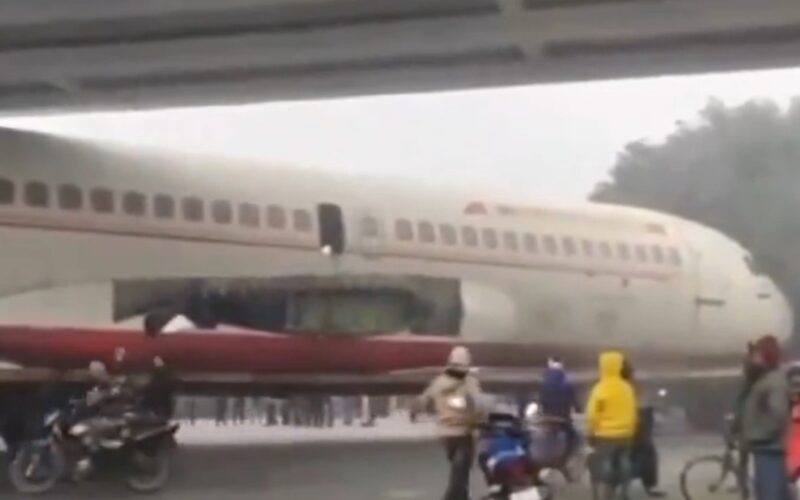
x=588, y=277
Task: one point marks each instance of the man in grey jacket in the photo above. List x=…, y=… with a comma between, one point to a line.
x=765, y=421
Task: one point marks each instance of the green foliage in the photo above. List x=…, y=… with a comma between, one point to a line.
x=736, y=169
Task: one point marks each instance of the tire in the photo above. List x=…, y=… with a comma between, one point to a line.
x=704, y=476
x=46, y=479
x=149, y=471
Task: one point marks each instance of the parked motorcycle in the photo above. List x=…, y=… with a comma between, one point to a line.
x=136, y=445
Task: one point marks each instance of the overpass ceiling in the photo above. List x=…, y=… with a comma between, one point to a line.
x=58, y=55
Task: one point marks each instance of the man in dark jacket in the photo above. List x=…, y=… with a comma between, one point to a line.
x=159, y=393
x=644, y=454
x=765, y=422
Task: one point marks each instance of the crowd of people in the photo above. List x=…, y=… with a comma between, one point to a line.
x=320, y=411
x=620, y=419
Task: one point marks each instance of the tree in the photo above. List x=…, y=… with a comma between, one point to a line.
x=737, y=169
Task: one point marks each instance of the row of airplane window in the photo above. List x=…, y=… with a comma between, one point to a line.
x=101, y=200
x=510, y=241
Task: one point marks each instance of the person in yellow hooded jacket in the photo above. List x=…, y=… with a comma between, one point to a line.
x=611, y=412
x=611, y=417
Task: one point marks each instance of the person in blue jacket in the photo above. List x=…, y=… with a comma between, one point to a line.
x=558, y=399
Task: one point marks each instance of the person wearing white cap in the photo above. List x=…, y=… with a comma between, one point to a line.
x=454, y=396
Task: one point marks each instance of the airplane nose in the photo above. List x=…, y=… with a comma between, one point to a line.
x=784, y=315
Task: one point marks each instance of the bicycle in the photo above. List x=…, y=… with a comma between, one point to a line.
x=723, y=475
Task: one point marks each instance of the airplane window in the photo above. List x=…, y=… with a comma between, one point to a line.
x=623, y=252
x=588, y=248
x=426, y=232
x=675, y=257
x=133, y=203
x=221, y=212
x=7, y=192
x=193, y=209
x=569, y=245
x=102, y=200
x=301, y=220
x=164, y=206
x=249, y=215
x=37, y=195
x=403, y=230
x=658, y=254
x=70, y=197
x=605, y=250
x=489, y=238
x=531, y=243
x=276, y=217
x=449, y=236
x=469, y=236
x=641, y=253
x=510, y=241
x=550, y=245
x=369, y=227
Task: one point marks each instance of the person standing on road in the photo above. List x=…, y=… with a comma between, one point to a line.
x=454, y=395
x=611, y=418
x=750, y=371
x=644, y=454
x=158, y=395
x=765, y=421
x=221, y=411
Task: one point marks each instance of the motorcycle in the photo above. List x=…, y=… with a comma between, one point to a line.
x=551, y=447
x=72, y=446
x=508, y=460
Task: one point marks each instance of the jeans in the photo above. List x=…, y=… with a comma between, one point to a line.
x=771, y=480
x=460, y=452
x=610, y=465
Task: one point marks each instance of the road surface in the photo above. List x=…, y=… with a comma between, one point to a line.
x=378, y=466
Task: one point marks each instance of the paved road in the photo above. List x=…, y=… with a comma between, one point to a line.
x=334, y=471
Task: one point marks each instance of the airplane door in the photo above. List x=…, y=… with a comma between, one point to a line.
x=711, y=283
x=331, y=228
x=711, y=304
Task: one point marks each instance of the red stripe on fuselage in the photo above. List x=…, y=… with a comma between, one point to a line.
x=212, y=351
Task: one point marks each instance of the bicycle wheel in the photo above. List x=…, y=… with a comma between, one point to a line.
x=708, y=477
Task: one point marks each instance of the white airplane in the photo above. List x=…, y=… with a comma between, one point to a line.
x=356, y=256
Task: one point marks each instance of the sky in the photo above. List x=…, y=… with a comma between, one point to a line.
x=547, y=142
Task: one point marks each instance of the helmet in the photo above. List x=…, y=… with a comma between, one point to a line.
x=555, y=363
x=459, y=359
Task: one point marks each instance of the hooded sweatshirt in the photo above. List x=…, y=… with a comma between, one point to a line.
x=612, y=409
x=456, y=402
x=557, y=395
